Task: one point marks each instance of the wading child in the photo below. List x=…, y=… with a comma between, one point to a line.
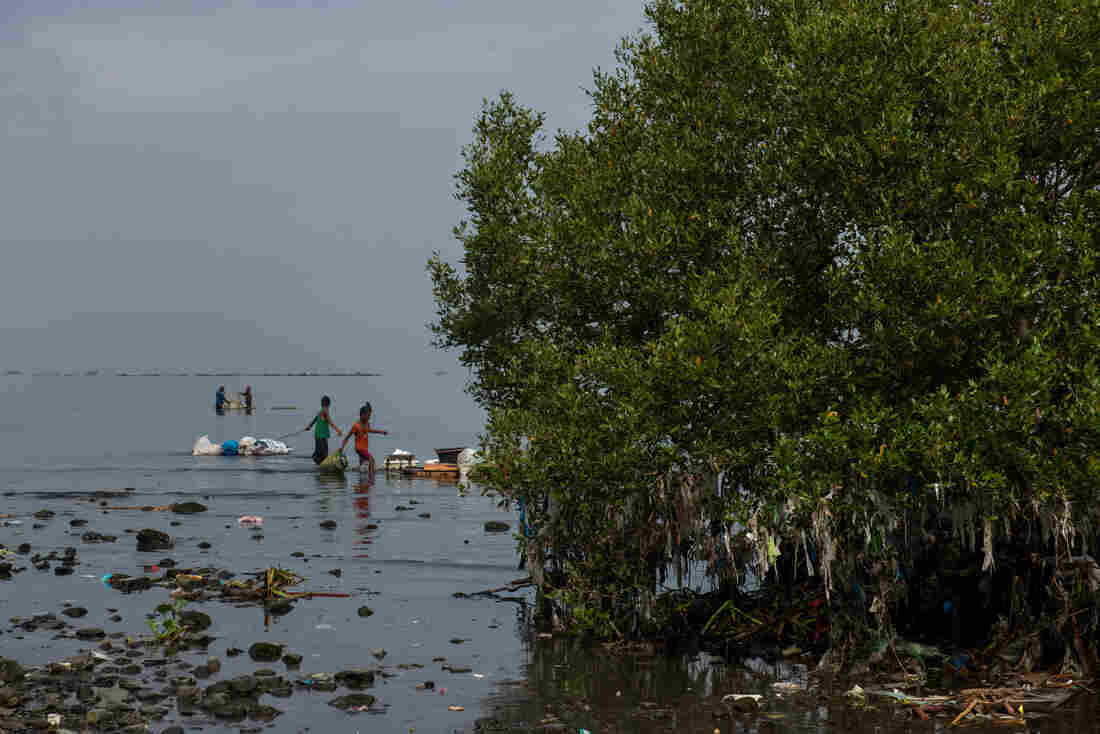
x=320, y=425
x=362, y=431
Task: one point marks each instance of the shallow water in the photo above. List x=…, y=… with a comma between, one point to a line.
x=64, y=438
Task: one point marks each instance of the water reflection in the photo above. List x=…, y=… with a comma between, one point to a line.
x=566, y=686
x=363, y=528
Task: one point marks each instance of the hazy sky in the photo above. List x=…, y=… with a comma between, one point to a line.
x=254, y=184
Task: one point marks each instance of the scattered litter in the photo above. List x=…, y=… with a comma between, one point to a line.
x=246, y=446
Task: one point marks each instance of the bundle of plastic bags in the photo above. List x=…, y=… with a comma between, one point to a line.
x=246, y=446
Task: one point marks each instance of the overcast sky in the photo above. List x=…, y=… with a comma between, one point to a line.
x=255, y=184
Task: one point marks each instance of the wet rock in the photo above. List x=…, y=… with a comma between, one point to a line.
x=153, y=540
x=44, y=514
x=231, y=710
x=355, y=678
x=328, y=524
x=10, y=697
x=353, y=702
x=77, y=523
x=365, y=611
x=93, y=537
x=336, y=572
x=62, y=571
x=244, y=684
x=496, y=526
x=266, y=652
x=188, y=693
x=194, y=620
x=318, y=682
x=276, y=686
x=279, y=607
x=204, y=545
x=128, y=584
x=90, y=633
x=292, y=659
x=23, y=548
x=188, y=508
x=112, y=697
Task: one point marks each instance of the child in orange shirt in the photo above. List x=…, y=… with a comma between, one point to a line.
x=362, y=431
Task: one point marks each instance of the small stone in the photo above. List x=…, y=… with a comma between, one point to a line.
x=78, y=523
x=298, y=554
x=365, y=611
x=194, y=620
x=204, y=545
x=425, y=515
x=90, y=633
x=355, y=678
x=292, y=659
x=279, y=607
x=353, y=702
x=151, y=540
x=336, y=572
x=44, y=514
x=495, y=526
x=62, y=571
x=112, y=697
x=457, y=640
x=328, y=524
x=267, y=652
x=188, y=508
x=233, y=652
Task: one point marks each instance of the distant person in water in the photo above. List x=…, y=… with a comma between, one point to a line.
x=362, y=431
x=246, y=399
x=320, y=425
x=220, y=400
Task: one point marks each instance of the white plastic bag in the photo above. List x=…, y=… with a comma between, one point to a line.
x=205, y=447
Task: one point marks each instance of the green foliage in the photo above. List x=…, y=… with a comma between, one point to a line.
x=838, y=252
x=166, y=625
